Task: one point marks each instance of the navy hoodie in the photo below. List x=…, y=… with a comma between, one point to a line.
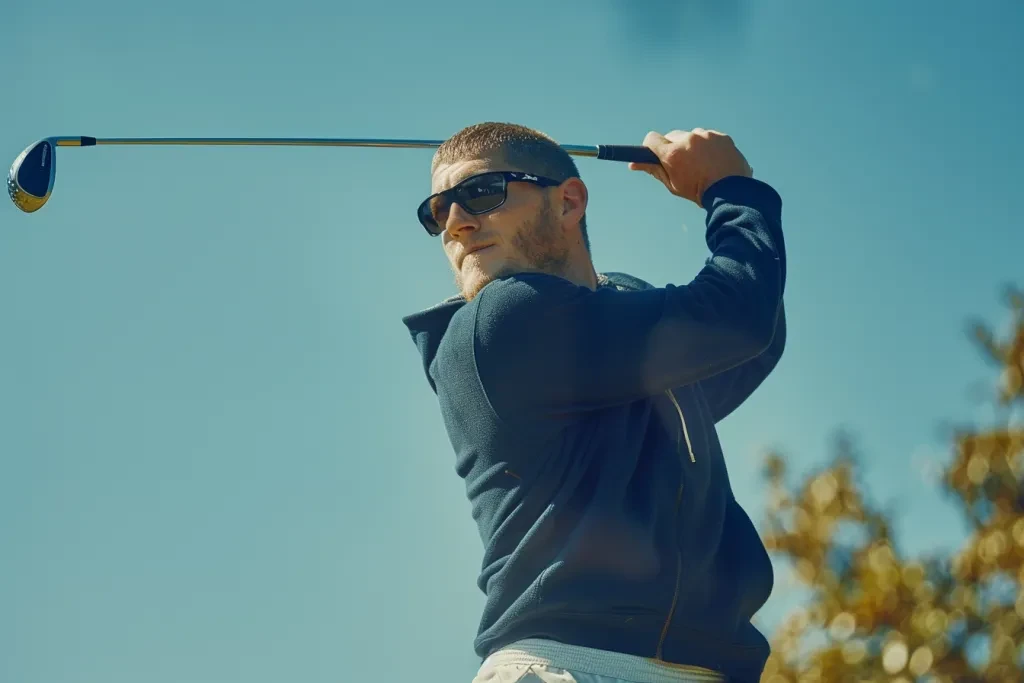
x=583, y=425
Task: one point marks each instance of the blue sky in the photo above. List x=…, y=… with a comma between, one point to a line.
x=219, y=458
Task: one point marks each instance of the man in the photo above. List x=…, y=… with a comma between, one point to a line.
x=582, y=410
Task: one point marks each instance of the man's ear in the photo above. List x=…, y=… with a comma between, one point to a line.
x=574, y=200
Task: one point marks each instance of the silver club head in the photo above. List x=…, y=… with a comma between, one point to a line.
x=30, y=180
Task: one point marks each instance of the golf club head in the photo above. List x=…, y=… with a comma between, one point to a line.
x=30, y=180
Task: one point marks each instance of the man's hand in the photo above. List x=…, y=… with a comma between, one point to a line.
x=691, y=162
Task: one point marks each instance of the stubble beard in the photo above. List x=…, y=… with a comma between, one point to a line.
x=539, y=247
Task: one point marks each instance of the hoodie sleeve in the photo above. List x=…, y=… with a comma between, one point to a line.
x=543, y=345
x=726, y=391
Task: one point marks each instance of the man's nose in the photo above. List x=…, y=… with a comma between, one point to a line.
x=460, y=221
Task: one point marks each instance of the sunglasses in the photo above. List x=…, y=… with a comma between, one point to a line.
x=476, y=195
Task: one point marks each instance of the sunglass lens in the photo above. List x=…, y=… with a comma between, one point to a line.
x=434, y=212
x=477, y=195
x=482, y=193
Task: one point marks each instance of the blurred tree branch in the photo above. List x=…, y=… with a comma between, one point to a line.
x=875, y=614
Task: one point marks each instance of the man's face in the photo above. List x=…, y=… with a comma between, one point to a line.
x=524, y=234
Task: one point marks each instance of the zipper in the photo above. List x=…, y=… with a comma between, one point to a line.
x=675, y=595
x=679, y=554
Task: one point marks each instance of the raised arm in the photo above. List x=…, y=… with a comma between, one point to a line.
x=726, y=391
x=543, y=345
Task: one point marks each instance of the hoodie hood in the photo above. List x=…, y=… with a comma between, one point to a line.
x=427, y=328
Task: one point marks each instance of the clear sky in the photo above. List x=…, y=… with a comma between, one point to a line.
x=220, y=460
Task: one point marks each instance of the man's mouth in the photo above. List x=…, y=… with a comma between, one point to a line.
x=475, y=250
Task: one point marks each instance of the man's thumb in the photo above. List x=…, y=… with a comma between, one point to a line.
x=655, y=140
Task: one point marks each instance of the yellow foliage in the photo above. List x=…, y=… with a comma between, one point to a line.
x=878, y=615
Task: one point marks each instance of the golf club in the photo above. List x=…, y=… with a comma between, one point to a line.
x=30, y=181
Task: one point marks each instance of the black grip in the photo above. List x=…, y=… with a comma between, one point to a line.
x=637, y=153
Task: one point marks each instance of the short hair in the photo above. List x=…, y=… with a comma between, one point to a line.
x=524, y=148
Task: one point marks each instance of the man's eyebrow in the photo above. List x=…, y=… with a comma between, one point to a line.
x=466, y=174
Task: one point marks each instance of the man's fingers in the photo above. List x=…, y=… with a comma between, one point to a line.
x=646, y=168
x=691, y=161
x=655, y=141
x=654, y=170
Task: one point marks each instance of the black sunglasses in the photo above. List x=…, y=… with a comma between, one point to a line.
x=477, y=195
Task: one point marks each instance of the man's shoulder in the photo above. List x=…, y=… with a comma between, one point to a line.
x=513, y=300
x=522, y=300
x=541, y=282
x=529, y=293
x=512, y=292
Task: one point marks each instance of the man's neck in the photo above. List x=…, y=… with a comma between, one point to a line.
x=583, y=275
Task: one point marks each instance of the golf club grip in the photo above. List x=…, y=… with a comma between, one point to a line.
x=637, y=153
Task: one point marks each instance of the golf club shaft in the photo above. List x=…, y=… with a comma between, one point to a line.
x=636, y=153
x=30, y=180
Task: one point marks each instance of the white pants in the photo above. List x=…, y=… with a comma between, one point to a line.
x=545, y=661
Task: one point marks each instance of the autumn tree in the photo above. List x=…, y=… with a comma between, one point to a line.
x=875, y=614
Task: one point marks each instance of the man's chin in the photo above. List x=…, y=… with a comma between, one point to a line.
x=470, y=286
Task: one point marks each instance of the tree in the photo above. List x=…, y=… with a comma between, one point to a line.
x=875, y=614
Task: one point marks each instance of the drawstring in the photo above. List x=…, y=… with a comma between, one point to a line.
x=686, y=434
x=682, y=420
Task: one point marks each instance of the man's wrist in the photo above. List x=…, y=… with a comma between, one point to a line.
x=743, y=191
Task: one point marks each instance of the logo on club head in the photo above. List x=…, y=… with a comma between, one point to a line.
x=46, y=150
